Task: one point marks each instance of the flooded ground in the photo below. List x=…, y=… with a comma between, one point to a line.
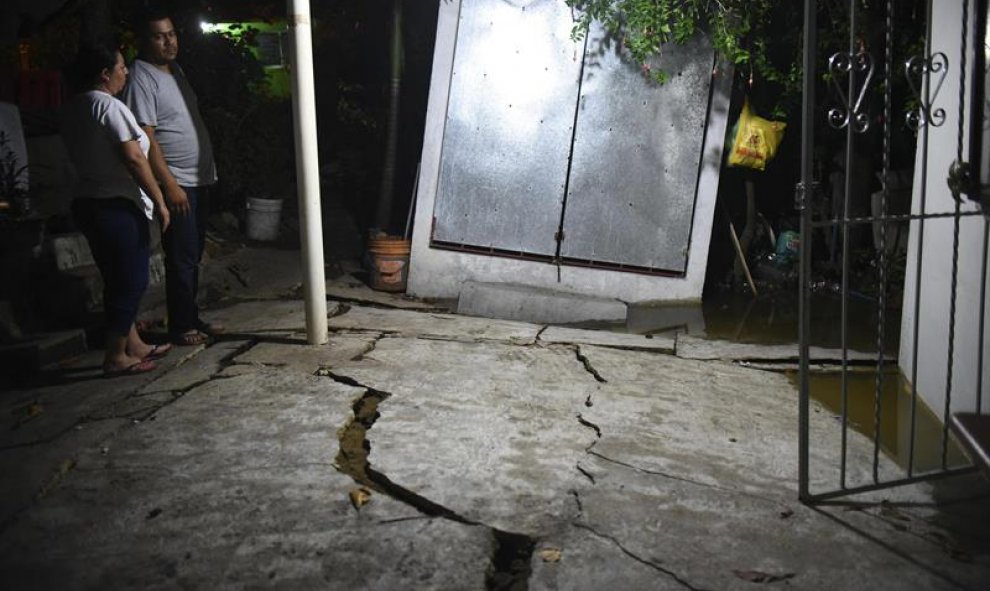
x=893, y=419
x=773, y=320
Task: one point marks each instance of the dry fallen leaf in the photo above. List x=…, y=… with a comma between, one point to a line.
x=755, y=576
x=360, y=497
x=550, y=554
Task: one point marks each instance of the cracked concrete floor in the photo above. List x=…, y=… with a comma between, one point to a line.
x=421, y=450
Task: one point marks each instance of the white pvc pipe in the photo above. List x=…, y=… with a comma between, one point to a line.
x=308, y=171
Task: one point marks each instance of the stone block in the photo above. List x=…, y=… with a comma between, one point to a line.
x=71, y=251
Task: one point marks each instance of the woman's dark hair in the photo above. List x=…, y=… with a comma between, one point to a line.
x=90, y=62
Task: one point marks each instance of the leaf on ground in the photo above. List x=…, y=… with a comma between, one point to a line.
x=755, y=576
x=56, y=478
x=27, y=412
x=550, y=554
x=786, y=513
x=360, y=497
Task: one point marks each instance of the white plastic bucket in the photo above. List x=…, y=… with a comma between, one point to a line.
x=263, y=216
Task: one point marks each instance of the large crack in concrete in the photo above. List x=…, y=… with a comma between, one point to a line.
x=510, y=565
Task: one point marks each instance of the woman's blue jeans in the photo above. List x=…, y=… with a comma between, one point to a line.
x=118, y=236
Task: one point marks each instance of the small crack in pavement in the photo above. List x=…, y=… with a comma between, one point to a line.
x=590, y=425
x=370, y=348
x=686, y=480
x=637, y=558
x=577, y=497
x=587, y=474
x=587, y=365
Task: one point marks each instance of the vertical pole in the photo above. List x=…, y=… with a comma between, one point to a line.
x=846, y=201
x=807, y=186
x=307, y=171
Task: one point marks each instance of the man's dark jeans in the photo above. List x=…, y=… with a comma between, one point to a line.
x=183, y=244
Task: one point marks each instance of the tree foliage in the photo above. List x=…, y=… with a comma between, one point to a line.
x=738, y=29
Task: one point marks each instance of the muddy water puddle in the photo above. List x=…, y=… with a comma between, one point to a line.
x=891, y=412
x=774, y=321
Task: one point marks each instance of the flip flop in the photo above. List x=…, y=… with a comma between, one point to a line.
x=137, y=368
x=158, y=351
x=190, y=337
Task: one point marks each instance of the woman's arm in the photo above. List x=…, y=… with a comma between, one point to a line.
x=137, y=164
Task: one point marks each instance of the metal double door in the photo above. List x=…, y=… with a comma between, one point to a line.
x=562, y=150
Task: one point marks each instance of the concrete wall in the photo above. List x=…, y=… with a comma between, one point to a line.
x=439, y=273
x=936, y=256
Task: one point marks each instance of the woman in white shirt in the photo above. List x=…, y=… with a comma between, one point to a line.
x=116, y=198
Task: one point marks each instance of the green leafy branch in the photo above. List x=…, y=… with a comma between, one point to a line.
x=740, y=31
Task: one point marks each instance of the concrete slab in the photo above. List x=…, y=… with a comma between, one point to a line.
x=673, y=473
x=653, y=529
x=535, y=304
x=32, y=471
x=263, y=317
x=197, y=365
x=261, y=273
x=350, y=289
x=493, y=427
x=432, y=325
x=618, y=340
x=233, y=486
x=692, y=347
x=309, y=358
x=43, y=414
x=714, y=423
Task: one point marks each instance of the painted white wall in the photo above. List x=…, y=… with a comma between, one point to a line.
x=439, y=274
x=936, y=255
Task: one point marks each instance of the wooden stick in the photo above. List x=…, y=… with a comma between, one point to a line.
x=742, y=258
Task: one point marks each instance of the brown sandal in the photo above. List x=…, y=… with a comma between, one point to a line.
x=190, y=338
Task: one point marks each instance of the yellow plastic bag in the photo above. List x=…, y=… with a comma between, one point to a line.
x=756, y=140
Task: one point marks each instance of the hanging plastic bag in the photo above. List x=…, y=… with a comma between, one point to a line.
x=755, y=141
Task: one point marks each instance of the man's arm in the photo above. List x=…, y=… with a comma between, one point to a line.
x=173, y=192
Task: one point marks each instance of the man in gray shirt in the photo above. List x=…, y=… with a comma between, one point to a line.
x=182, y=159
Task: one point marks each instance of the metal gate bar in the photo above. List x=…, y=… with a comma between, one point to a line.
x=928, y=121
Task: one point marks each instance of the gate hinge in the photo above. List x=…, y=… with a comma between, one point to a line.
x=960, y=179
x=801, y=195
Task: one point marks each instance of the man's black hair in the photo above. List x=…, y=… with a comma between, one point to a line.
x=148, y=14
